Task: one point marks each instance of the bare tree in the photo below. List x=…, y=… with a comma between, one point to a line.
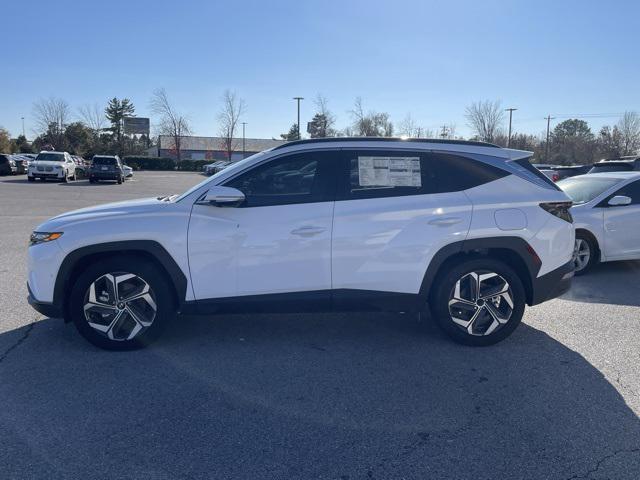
x=485, y=118
x=629, y=127
x=93, y=117
x=232, y=109
x=370, y=124
x=172, y=123
x=408, y=127
x=51, y=116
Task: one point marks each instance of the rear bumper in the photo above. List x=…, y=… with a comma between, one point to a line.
x=105, y=175
x=552, y=284
x=45, y=308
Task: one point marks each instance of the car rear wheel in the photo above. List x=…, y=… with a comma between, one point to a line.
x=121, y=303
x=584, y=254
x=31, y=179
x=478, y=302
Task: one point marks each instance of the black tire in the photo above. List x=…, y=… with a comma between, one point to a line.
x=588, y=244
x=31, y=179
x=119, y=180
x=160, y=291
x=443, y=291
x=65, y=179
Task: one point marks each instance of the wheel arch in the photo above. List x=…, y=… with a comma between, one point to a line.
x=593, y=238
x=513, y=251
x=78, y=260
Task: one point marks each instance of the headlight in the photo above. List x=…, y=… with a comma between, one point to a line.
x=42, y=237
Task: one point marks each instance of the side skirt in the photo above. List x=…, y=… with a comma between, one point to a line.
x=311, y=301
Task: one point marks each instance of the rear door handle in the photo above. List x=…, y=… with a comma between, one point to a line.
x=308, y=231
x=445, y=221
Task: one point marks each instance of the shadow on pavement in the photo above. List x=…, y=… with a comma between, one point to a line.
x=309, y=396
x=616, y=283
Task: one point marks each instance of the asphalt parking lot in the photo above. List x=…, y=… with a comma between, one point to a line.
x=332, y=396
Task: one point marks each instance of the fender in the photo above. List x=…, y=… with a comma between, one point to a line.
x=517, y=245
x=149, y=247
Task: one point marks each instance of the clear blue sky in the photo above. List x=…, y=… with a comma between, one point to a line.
x=427, y=58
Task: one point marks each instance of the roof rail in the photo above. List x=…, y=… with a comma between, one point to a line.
x=385, y=139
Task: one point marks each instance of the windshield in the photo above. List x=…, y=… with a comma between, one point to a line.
x=585, y=189
x=104, y=161
x=50, y=157
x=230, y=169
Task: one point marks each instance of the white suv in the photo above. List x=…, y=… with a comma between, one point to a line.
x=57, y=165
x=471, y=230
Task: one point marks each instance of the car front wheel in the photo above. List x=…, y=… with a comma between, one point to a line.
x=121, y=303
x=478, y=302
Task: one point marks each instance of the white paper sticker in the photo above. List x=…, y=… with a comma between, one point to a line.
x=389, y=172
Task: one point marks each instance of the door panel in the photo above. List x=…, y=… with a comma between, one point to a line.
x=386, y=244
x=395, y=210
x=622, y=225
x=278, y=241
x=622, y=232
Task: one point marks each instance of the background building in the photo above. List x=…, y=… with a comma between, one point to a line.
x=210, y=148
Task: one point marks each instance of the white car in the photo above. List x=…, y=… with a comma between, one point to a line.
x=470, y=230
x=606, y=214
x=56, y=165
x=128, y=171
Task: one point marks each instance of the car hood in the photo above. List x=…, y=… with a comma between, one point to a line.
x=44, y=163
x=129, y=207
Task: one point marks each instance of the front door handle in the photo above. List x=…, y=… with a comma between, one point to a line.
x=308, y=231
x=445, y=221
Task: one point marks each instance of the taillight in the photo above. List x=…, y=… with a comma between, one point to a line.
x=555, y=177
x=559, y=209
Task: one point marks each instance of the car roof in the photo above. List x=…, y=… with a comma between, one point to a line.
x=612, y=175
x=458, y=146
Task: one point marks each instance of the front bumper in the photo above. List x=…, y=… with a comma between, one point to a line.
x=552, y=284
x=45, y=308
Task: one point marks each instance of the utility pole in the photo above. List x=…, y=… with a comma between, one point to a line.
x=244, y=124
x=510, y=110
x=298, y=100
x=23, y=128
x=444, y=131
x=546, y=147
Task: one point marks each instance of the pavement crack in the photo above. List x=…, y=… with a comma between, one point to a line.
x=588, y=474
x=17, y=343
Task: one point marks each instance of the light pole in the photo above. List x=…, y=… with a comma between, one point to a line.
x=546, y=147
x=244, y=124
x=298, y=100
x=23, y=128
x=510, y=110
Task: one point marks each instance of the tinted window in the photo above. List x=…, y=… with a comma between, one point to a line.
x=104, y=161
x=526, y=164
x=376, y=173
x=50, y=157
x=301, y=178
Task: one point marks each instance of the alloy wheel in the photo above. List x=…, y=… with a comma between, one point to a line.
x=481, y=303
x=120, y=305
x=581, y=254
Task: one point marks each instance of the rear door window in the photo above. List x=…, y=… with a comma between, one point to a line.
x=380, y=173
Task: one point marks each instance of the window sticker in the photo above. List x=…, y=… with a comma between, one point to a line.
x=389, y=172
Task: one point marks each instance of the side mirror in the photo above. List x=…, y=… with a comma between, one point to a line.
x=223, y=197
x=619, y=201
